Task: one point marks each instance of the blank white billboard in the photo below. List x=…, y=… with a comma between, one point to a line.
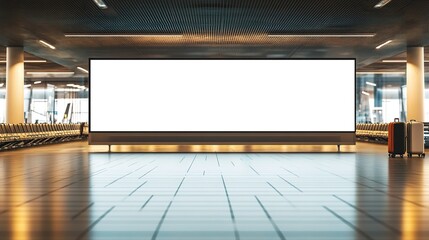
x=200, y=95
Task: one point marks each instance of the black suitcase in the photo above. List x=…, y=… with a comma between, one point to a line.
x=396, y=138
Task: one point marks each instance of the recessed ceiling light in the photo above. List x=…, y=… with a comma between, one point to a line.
x=100, y=4
x=34, y=61
x=44, y=73
x=345, y=35
x=47, y=44
x=371, y=84
x=394, y=61
x=382, y=3
x=75, y=85
x=365, y=93
x=383, y=44
x=92, y=35
x=82, y=69
x=380, y=73
x=27, y=61
x=37, y=82
x=67, y=90
x=397, y=61
x=27, y=85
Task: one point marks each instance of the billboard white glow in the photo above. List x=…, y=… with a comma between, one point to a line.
x=196, y=95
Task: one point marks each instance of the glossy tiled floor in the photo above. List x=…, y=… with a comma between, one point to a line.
x=72, y=191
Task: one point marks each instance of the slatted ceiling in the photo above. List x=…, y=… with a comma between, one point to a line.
x=29, y=66
x=393, y=67
x=221, y=16
x=234, y=27
x=210, y=40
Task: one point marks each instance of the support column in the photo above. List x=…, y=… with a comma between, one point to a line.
x=415, y=84
x=14, y=85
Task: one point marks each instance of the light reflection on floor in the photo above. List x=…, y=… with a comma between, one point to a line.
x=72, y=191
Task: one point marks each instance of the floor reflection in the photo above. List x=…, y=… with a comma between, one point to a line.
x=406, y=178
x=79, y=195
x=40, y=192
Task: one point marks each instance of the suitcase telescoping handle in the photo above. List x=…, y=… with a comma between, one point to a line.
x=396, y=120
x=413, y=120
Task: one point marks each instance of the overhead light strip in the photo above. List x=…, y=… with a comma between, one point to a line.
x=45, y=73
x=27, y=61
x=382, y=3
x=122, y=35
x=397, y=61
x=68, y=89
x=383, y=44
x=101, y=4
x=83, y=69
x=37, y=82
x=371, y=84
x=47, y=44
x=362, y=73
x=394, y=61
x=35, y=61
x=365, y=93
x=346, y=35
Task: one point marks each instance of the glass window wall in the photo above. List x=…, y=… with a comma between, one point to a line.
x=379, y=98
x=50, y=101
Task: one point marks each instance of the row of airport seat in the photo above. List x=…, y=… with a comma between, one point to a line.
x=24, y=135
x=372, y=132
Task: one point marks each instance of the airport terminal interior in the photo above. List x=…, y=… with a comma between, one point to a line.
x=213, y=148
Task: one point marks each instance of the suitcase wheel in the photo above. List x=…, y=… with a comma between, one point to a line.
x=402, y=155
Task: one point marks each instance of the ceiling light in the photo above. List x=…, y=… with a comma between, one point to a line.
x=45, y=73
x=67, y=90
x=371, y=84
x=47, y=44
x=28, y=61
x=394, y=61
x=37, y=82
x=27, y=85
x=397, y=61
x=1, y=84
x=100, y=4
x=383, y=44
x=365, y=93
x=346, y=35
x=89, y=35
x=380, y=73
x=75, y=85
x=382, y=3
x=83, y=69
x=34, y=61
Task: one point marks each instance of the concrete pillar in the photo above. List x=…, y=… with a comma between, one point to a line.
x=14, y=85
x=415, y=83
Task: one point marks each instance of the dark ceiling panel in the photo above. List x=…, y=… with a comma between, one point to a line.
x=213, y=28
